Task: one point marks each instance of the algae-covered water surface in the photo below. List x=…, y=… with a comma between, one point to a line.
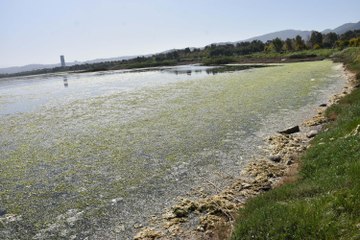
x=98, y=154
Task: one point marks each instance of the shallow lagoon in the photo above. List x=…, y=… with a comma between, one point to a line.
x=110, y=149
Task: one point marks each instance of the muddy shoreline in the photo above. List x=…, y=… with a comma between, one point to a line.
x=212, y=217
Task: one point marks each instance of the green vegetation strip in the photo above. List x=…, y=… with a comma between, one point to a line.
x=324, y=203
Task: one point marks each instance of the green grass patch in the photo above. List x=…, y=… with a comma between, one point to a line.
x=324, y=202
x=312, y=54
x=295, y=55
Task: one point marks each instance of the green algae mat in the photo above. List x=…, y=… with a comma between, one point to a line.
x=100, y=165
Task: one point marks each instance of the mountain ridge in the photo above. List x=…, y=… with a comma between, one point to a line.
x=283, y=34
x=291, y=33
x=31, y=67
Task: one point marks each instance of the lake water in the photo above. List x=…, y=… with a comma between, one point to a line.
x=108, y=150
x=24, y=94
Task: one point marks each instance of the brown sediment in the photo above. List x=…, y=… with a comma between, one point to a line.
x=212, y=217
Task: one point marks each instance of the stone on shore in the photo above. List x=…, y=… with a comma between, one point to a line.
x=275, y=158
x=290, y=130
x=312, y=133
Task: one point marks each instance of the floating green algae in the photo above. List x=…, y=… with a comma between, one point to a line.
x=150, y=143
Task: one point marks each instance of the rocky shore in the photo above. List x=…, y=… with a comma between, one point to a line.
x=212, y=217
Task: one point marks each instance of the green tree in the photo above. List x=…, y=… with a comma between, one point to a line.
x=354, y=42
x=316, y=39
x=277, y=44
x=348, y=35
x=299, y=43
x=342, y=44
x=330, y=39
x=288, y=45
x=257, y=46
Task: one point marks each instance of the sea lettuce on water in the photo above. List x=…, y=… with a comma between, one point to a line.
x=145, y=146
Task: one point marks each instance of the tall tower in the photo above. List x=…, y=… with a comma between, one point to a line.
x=62, y=60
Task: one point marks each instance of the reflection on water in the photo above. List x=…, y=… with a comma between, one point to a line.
x=25, y=94
x=206, y=69
x=233, y=68
x=66, y=84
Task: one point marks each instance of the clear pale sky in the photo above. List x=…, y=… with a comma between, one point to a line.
x=38, y=31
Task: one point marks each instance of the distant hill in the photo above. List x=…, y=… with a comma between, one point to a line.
x=26, y=68
x=290, y=33
x=98, y=60
x=344, y=28
x=31, y=67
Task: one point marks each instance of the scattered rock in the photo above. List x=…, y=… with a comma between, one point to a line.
x=290, y=130
x=289, y=162
x=312, y=133
x=275, y=158
x=266, y=187
x=323, y=105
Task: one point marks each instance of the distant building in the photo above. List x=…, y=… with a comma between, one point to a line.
x=62, y=60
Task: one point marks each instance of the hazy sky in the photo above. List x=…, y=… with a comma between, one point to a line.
x=38, y=31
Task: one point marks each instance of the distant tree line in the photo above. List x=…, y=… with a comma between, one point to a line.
x=316, y=40
x=216, y=53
